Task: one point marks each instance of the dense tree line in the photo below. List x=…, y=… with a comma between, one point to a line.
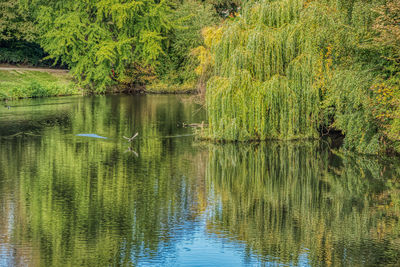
x=109, y=41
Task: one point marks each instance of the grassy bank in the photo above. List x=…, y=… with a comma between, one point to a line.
x=16, y=83
x=23, y=83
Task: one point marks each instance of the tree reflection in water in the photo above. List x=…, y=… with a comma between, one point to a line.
x=73, y=201
x=285, y=201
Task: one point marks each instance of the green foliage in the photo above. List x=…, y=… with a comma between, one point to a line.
x=364, y=85
x=103, y=42
x=226, y=8
x=266, y=69
x=386, y=100
x=18, y=34
x=281, y=69
x=348, y=96
x=287, y=69
x=387, y=24
x=160, y=87
x=16, y=23
x=95, y=38
x=16, y=52
x=178, y=63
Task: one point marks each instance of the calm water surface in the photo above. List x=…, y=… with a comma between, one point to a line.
x=74, y=192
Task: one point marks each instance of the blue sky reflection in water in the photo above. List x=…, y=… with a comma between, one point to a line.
x=168, y=200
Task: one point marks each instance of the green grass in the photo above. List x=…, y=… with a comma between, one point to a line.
x=15, y=84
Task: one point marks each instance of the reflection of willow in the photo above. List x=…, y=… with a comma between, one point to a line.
x=86, y=202
x=285, y=201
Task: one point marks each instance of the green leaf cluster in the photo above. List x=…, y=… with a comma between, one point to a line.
x=98, y=40
x=16, y=23
x=266, y=67
x=178, y=62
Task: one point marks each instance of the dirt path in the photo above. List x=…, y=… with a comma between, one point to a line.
x=10, y=68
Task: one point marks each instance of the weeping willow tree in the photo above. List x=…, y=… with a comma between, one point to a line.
x=287, y=69
x=269, y=64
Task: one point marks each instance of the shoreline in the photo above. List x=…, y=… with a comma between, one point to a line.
x=31, y=82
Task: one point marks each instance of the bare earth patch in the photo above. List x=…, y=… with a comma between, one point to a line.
x=11, y=68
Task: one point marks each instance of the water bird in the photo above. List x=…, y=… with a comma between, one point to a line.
x=132, y=151
x=131, y=139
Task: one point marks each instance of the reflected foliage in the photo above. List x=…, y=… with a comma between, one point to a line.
x=67, y=200
x=290, y=201
x=86, y=202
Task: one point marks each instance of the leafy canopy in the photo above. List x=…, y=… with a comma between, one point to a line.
x=16, y=24
x=100, y=39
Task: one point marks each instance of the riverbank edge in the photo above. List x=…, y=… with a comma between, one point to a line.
x=130, y=92
x=17, y=82
x=157, y=87
x=59, y=83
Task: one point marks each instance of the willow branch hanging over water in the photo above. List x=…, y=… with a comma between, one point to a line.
x=267, y=65
x=291, y=69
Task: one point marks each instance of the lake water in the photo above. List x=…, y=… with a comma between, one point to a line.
x=74, y=192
